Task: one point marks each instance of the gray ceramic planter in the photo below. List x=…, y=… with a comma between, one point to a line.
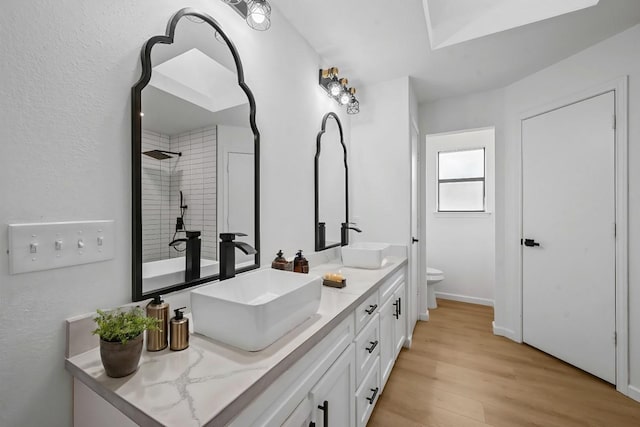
x=120, y=360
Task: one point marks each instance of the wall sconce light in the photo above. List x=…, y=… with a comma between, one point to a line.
x=257, y=13
x=337, y=89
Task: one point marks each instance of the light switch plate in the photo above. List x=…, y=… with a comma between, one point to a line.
x=44, y=246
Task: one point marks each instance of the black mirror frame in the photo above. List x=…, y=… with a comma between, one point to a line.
x=317, y=176
x=136, y=154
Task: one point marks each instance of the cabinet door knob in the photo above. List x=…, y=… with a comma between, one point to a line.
x=371, y=309
x=374, y=344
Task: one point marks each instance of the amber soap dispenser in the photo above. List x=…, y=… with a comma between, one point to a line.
x=179, y=330
x=300, y=263
x=158, y=309
x=280, y=263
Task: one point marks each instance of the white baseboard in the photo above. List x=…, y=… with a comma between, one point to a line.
x=634, y=393
x=424, y=316
x=463, y=298
x=504, y=332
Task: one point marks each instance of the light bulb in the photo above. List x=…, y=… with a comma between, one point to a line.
x=334, y=88
x=345, y=97
x=259, y=14
x=258, y=18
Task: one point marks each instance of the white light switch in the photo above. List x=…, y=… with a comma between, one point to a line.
x=40, y=246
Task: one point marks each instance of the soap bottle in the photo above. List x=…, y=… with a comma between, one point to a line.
x=300, y=263
x=280, y=263
x=158, y=309
x=179, y=330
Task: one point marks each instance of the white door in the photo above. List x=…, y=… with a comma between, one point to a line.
x=235, y=182
x=569, y=210
x=239, y=207
x=414, y=259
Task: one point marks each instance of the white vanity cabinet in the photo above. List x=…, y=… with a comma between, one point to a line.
x=400, y=323
x=312, y=379
x=393, y=330
x=367, y=394
x=332, y=398
x=382, y=333
x=332, y=381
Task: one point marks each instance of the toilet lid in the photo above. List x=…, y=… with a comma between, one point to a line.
x=433, y=271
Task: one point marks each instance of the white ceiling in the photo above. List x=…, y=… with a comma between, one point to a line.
x=192, y=90
x=450, y=22
x=377, y=40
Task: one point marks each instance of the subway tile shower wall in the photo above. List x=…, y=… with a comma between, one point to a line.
x=194, y=173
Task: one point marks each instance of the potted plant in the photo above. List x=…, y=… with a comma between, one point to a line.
x=121, y=337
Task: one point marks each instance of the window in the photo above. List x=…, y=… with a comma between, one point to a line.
x=461, y=181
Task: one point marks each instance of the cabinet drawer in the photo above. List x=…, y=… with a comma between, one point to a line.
x=367, y=394
x=366, y=311
x=301, y=416
x=367, y=348
x=389, y=286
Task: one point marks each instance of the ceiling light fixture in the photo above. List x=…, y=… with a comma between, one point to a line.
x=353, y=107
x=257, y=13
x=337, y=89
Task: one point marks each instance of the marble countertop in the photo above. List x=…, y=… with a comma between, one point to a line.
x=210, y=383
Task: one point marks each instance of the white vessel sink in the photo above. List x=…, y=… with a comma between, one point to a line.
x=365, y=255
x=253, y=310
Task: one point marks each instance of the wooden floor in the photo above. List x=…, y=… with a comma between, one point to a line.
x=459, y=374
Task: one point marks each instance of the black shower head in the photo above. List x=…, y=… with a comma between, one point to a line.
x=161, y=154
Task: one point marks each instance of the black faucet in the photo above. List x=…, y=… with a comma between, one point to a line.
x=321, y=237
x=344, y=232
x=192, y=260
x=227, y=255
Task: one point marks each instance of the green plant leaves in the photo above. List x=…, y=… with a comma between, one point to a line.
x=122, y=326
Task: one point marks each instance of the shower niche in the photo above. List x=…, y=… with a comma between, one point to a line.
x=195, y=157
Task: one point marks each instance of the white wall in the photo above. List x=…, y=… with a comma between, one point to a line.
x=379, y=174
x=461, y=244
x=65, y=82
x=606, y=61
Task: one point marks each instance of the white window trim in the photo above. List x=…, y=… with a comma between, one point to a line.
x=434, y=147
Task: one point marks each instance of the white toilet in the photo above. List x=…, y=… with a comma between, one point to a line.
x=433, y=276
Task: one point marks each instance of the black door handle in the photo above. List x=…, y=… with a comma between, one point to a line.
x=325, y=416
x=373, y=396
x=396, y=304
x=399, y=306
x=530, y=243
x=371, y=309
x=374, y=344
x=414, y=240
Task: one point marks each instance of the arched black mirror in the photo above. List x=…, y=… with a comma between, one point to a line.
x=331, y=184
x=195, y=154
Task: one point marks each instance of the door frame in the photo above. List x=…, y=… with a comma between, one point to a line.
x=414, y=287
x=619, y=87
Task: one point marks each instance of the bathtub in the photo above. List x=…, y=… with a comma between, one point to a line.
x=167, y=272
